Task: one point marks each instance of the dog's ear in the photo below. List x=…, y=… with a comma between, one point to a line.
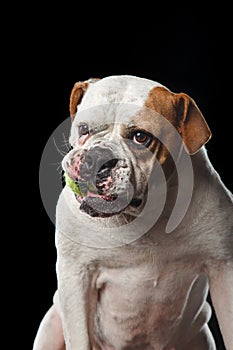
x=77, y=93
x=191, y=123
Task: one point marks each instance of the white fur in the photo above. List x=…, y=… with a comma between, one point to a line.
x=123, y=89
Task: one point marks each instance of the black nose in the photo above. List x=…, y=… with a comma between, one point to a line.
x=97, y=163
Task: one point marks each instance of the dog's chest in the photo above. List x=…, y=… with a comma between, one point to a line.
x=136, y=306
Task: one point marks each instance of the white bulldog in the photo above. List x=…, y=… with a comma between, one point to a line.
x=144, y=226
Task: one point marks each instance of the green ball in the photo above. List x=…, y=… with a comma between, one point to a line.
x=72, y=184
x=79, y=187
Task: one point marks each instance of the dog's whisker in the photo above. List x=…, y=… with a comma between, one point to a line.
x=60, y=172
x=125, y=219
x=56, y=163
x=59, y=151
x=64, y=138
x=66, y=142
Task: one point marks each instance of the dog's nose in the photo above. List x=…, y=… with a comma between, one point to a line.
x=97, y=162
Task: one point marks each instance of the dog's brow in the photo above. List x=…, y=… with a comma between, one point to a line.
x=130, y=125
x=133, y=127
x=94, y=128
x=98, y=128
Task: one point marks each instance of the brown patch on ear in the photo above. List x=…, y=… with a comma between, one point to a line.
x=192, y=125
x=76, y=96
x=183, y=113
x=160, y=100
x=77, y=93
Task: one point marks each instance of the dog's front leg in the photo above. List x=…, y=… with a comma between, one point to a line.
x=74, y=285
x=221, y=290
x=50, y=334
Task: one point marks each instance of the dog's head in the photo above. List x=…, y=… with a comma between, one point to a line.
x=119, y=131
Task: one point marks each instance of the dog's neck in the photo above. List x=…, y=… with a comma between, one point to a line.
x=194, y=185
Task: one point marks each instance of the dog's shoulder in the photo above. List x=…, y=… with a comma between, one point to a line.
x=212, y=209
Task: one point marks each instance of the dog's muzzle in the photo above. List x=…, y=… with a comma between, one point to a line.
x=97, y=165
x=105, y=181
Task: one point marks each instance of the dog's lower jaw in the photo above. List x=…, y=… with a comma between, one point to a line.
x=106, y=207
x=87, y=207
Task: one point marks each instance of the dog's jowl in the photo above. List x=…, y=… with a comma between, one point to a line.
x=144, y=225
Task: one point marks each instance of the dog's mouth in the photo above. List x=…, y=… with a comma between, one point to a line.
x=100, y=199
x=94, y=202
x=106, y=206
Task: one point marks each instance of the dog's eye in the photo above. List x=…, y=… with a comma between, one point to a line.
x=142, y=138
x=83, y=129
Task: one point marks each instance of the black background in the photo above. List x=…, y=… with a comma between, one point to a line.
x=184, y=47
